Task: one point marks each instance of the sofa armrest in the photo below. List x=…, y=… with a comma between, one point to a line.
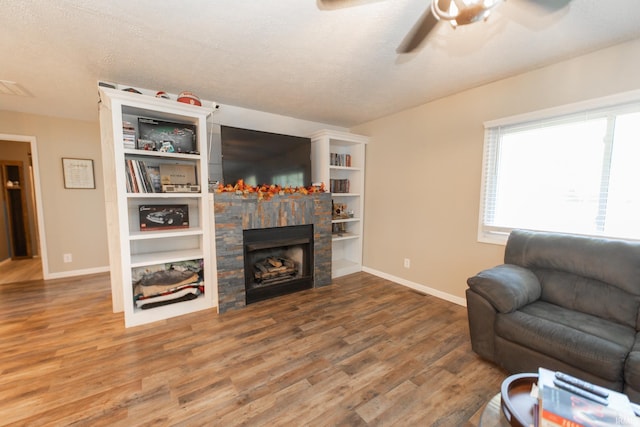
x=507, y=287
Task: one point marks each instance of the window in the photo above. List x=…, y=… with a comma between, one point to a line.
x=575, y=170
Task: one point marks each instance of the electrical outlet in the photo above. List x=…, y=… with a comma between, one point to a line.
x=67, y=258
x=407, y=263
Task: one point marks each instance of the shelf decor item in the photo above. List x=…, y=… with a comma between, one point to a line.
x=161, y=135
x=339, y=211
x=163, y=217
x=166, y=284
x=189, y=98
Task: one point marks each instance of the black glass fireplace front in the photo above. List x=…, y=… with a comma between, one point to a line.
x=277, y=261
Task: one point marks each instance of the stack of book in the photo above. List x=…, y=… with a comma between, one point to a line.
x=337, y=159
x=567, y=401
x=142, y=177
x=128, y=135
x=339, y=185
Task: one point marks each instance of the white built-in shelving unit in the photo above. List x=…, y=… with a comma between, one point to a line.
x=339, y=163
x=130, y=247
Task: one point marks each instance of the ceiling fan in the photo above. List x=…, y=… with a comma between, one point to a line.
x=456, y=12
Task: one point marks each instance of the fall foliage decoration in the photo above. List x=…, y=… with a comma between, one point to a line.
x=265, y=191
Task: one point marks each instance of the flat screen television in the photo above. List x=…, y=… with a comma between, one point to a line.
x=265, y=158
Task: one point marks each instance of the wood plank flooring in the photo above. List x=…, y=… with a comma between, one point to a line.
x=360, y=352
x=20, y=270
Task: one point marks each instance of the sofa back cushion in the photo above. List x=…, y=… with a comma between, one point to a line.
x=594, y=275
x=588, y=296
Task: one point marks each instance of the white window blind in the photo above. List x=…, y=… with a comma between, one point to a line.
x=575, y=172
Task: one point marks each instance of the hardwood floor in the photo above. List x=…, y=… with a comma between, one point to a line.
x=20, y=270
x=360, y=352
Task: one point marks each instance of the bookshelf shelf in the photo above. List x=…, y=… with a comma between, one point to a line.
x=345, y=194
x=144, y=235
x=345, y=168
x=337, y=221
x=163, y=195
x=143, y=260
x=345, y=236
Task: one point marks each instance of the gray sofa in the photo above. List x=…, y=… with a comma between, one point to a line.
x=564, y=302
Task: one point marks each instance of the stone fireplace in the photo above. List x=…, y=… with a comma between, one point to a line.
x=272, y=221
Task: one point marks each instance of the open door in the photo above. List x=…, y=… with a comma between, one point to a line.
x=13, y=183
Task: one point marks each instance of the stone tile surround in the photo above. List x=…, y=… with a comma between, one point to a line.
x=235, y=213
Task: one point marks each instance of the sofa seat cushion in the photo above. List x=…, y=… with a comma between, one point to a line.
x=578, y=339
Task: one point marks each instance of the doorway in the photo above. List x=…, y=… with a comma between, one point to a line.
x=17, y=215
x=21, y=255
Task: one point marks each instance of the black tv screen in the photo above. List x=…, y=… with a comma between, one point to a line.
x=265, y=158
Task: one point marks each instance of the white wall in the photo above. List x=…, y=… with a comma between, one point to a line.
x=424, y=167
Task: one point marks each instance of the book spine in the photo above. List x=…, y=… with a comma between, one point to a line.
x=136, y=170
x=145, y=177
x=132, y=174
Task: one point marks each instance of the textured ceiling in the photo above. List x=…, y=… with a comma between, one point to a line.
x=287, y=57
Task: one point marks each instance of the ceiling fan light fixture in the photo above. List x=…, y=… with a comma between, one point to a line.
x=464, y=12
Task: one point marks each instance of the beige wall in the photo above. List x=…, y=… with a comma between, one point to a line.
x=423, y=173
x=424, y=167
x=74, y=220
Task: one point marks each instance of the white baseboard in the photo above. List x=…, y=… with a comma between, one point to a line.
x=74, y=273
x=417, y=286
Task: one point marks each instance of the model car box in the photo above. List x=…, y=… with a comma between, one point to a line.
x=163, y=217
x=157, y=135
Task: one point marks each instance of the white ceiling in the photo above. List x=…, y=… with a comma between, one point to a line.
x=287, y=57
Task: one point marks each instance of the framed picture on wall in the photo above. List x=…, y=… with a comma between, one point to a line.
x=78, y=173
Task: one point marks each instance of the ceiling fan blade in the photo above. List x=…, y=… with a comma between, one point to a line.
x=549, y=5
x=421, y=29
x=339, y=4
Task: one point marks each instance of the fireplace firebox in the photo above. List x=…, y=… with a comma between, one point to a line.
x=277, y=261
